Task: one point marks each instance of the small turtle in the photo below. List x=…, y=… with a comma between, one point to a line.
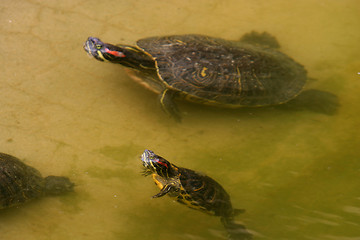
x=246, y=73
x=194, y=190
x=20, y=183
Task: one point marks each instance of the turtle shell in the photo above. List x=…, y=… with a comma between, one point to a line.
x=220, y=72
x=201, y=192
x=19, y=182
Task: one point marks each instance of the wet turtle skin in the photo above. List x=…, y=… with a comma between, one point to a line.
x=246, y=73
x=20, y=183
x=194, y=190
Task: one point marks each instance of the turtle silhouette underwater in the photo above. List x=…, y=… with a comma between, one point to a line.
x=195, y=190
x=250, y=72
x=20, y=183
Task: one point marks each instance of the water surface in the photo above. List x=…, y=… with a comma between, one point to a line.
x=294, y=169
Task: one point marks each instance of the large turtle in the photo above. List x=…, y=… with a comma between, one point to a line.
x=195, y=190
x=20, y=183
x=250, y=72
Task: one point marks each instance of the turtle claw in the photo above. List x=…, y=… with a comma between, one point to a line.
x=238, y=211
x=146, y=172
x=167, y=188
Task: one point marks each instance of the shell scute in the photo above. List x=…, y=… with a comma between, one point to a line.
x=225, y=72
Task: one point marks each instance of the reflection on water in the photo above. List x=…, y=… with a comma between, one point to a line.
x=294, y=167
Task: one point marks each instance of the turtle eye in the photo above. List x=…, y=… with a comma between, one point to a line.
x=98, y=46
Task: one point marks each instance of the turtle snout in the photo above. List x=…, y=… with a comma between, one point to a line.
x=146, y=158
x=92, y=45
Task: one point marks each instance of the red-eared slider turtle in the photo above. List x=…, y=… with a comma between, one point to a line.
x=202, y=69
x=20, y=183
x=195, y=190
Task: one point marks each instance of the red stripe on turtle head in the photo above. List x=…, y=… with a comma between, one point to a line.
x=115, y=53
x=160, y=162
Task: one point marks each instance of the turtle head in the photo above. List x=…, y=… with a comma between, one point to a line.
x=102, y=51
x=55, y=185
x=156, y=164
x=126, y=55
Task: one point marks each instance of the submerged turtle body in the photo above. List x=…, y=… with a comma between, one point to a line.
x=195, y=190
x=249, y=72
x=20, y=183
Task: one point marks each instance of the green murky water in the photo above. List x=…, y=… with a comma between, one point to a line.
x=296, y=171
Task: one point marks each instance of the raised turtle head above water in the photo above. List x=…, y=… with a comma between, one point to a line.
x=155, y=164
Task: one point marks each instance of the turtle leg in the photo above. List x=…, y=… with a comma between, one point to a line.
x=167, y=103
x=238, y=211
x=166, y=189
x=235, y=230
x=264, y=39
